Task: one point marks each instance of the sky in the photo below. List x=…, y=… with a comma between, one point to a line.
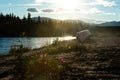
x=94, y=11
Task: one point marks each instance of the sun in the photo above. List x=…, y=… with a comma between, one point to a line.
x=67, y=4
x=63, y=4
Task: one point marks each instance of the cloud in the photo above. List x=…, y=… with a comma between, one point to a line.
x=9, y=4
x=56, y=10
x=47, y=10
x=45, y=1
x=107, y=13
x=94, y=10
x=32, y=10
x=35, y=4
x=90, y=11
x=104, y=3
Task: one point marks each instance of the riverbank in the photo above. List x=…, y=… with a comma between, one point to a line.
x=96, y=59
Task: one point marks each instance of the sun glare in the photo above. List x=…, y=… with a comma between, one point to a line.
x=69, y=38
x=64, y=5
x=67, y=4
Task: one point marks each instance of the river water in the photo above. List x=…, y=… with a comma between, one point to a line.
x=6, y=43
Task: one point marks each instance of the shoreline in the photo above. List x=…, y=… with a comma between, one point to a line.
x=91, y=58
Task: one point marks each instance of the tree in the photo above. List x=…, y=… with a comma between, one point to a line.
x=24, y=18
x=29, y=17
x=38, y=18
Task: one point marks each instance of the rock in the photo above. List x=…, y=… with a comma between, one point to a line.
x=83, y=35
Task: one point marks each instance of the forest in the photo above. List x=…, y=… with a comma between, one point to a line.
x=13, y=26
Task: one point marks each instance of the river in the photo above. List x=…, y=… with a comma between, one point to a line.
x=6, y=43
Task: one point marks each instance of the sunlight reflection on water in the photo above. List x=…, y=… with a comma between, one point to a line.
x=6, y=43
x=68, y=38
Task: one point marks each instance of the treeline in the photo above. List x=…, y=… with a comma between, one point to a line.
x=13, y=26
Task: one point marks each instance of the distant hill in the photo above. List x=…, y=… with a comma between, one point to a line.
x=67, y=20
x=110, y=24
x=41, y=18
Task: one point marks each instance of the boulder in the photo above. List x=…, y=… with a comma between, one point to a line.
x=83, y=35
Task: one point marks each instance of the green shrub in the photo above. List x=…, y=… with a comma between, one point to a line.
x=20, y=65
x=55, y=42
x=43, y=68
x=65, y=46
x=19, y=50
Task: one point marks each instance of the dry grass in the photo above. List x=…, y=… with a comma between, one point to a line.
x=95, y=59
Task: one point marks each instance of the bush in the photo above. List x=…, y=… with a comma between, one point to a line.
x=18, y=50
x=20, y=66
x=55, y=42
x=65, y=46
x=43, y=68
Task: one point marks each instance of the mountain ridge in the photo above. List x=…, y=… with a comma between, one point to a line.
x=110, y=24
